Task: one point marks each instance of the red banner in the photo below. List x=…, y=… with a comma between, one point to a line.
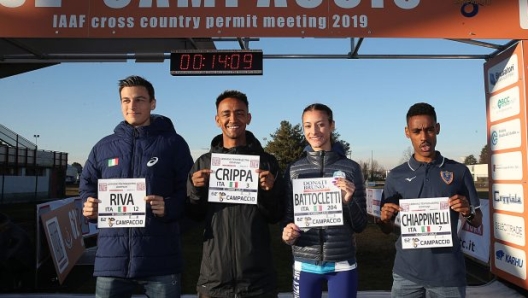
x=466, y=19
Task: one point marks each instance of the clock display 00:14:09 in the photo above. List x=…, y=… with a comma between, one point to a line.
x=218, y=62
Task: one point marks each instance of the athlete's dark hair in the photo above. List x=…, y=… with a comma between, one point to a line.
x=232, y=94
x=134, y=81
x=421, y=108
x=320, y=107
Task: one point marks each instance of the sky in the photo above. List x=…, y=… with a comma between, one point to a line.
x=73, y=105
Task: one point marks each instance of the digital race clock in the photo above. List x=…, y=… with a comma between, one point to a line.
x=216, y=62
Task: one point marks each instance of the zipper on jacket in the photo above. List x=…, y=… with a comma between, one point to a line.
x=133, y=159
x=322, y=167
x=132, y=171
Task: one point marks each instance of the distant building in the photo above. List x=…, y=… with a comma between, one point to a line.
x=72, y=175
x=27, y=173
x=479, y=171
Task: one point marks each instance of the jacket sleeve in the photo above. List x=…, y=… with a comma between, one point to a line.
x=89, y=177
x=196, y=203
x=357, y=207
x=175, y=203
x=288, y=199
x=270, y=202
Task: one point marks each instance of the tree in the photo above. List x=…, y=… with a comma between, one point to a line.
x=407, y=154
x=77, y=166
x=346, y=145
x=484, y=155
x=287, y=143
x=365, y=169
x=470, y=160
x=372, y=170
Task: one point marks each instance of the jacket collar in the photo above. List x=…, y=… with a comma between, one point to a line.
x=438, y=161
x=252, y=145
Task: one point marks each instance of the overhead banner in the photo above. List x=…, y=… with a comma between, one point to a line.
x=507, y=134
x=465, y=19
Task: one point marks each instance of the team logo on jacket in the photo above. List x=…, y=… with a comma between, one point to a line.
x=447, y=176
x=152, y=161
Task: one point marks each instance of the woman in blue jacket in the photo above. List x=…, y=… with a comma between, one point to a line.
x=325, y=254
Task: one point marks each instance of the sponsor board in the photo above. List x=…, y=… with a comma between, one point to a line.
x=507, y=166
x=509, y=228
x=503, y=74
x=508, y=197
x=505, y=135
x=504, y=104
x=511, y=260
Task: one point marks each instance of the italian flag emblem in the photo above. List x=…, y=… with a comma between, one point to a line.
x=113, y=162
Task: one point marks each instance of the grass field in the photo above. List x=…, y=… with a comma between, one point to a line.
x=375, y=257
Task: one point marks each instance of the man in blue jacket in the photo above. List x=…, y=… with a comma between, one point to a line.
x=436, y=271
x=147, y=146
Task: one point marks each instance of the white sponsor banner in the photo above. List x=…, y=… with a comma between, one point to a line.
x=510, y=260
x=503, y=74
x=506, y=135
x=508, y=197
x=317, y=203
x=122, y=203
x=475, y=242
x=509, y=228
x=234, y=178
x=523, y=14
x=373, y=201
x=507, y=166
x=504, y=104
x=425, y=223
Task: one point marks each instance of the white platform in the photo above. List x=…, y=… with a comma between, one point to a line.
x=493, y=289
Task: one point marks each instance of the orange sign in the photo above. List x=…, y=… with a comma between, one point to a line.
x=507, y=134
x=466, y=19
x=65, y=240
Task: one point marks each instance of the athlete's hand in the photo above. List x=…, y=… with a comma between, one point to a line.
x=157, y=203
x=290, y=233
x=388, y=211
x=460, y=204
x=90, y=208
x=347, y=188
x=266, y=179
x=200, y=178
